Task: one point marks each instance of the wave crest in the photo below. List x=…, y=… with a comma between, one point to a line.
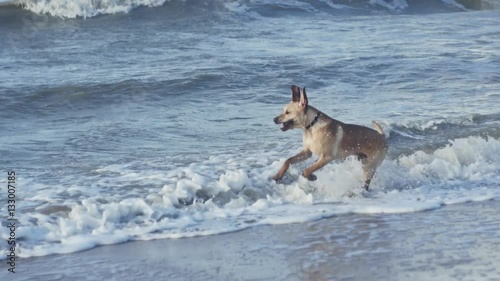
x=91, y=8
x=86, y=8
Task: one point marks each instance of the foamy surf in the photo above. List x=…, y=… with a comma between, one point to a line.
x=228, y=193
x=92, y=8
x=86, y=8
x=8, y=2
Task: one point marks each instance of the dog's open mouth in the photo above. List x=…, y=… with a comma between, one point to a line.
x=286, y=125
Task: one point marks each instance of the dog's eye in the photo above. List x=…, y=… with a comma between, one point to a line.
x=287, y=112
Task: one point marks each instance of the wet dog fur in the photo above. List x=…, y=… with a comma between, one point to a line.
x=329, y=139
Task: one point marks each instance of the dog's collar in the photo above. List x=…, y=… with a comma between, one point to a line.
x=314, y=120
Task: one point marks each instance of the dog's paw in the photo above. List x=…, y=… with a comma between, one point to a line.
x=276, y=179
x=312, y=177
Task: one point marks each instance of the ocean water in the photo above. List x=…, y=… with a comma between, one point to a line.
x=152, y=119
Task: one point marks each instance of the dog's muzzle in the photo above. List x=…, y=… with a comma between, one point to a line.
x=285, y=125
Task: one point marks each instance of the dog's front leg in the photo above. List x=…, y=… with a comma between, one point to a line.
x=303, y=155
x=322, y=161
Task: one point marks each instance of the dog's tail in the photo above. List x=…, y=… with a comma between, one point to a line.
x=377, y=127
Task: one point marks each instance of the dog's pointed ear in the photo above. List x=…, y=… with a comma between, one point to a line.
x=303, y=98
x=295, y=93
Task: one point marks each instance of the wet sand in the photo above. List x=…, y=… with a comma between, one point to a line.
x=456, y=242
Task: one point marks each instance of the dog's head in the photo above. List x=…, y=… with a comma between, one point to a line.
x=294, y=113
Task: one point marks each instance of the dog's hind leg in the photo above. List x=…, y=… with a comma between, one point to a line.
x=368, y=178
x=368, y=171
x=370, y=166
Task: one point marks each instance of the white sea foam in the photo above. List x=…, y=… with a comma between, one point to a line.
x=472, y=159
x=91, y=8
x=86, y=8
x=8, y=2
x=395, y=5
x=454, y=4
x=434, y=123
x=492, y=4
x=334, y=5
x=238, y=195
x=401, y=5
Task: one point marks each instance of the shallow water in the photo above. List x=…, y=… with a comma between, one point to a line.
x=451, y=243
x=116, y=116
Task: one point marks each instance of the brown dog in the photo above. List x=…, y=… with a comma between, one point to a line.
x=329, y=139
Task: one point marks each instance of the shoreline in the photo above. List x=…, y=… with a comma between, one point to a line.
x=456, y=242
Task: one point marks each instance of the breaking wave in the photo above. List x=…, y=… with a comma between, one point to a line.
x=92, y=8
x=86, y=8
x=227, y=193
